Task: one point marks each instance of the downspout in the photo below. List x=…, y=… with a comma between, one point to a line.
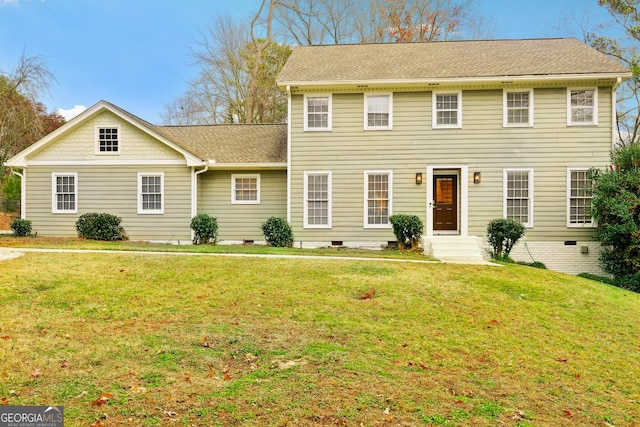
x=289, y=154
x=614, y=114
x=23, y=193
x=194, y=192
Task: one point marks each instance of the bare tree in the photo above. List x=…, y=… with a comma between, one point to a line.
x=23, y=119
x=618, y=37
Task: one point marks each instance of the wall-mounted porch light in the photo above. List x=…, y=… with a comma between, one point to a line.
x=419, y=178
x=477, y=177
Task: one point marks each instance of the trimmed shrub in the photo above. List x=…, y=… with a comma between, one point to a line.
x=205, y=229
x=100, y=226
x=21, y=227
x=407, y=229
x=277, y=232
x=596, y=278
x=502, y=235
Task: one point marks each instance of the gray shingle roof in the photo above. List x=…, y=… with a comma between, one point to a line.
x=232, y=144
x=444, y=60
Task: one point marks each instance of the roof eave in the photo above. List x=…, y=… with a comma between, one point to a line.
x=456, y=80
x=248, y=166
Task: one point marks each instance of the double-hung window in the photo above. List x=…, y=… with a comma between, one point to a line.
x=579, y=186
x=317, y=199
x=317, y=113
x=64, y=192
x=108, y=140
x=150, y=193
x=582, y=107
x=245, y=189
x=518, y=108
x=518, y=195
x=378, y=198
x=378, y=112
x=447, y=109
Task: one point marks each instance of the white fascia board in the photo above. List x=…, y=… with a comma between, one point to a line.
x=459, y=80
x=247, y=166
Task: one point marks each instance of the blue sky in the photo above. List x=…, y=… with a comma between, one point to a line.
x=135, y=53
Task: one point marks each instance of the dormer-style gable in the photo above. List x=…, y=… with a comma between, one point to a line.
x=103, y=139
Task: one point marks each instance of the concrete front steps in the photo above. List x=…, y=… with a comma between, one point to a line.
x=455, y=249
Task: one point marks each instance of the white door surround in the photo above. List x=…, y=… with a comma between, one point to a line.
x=463, y=187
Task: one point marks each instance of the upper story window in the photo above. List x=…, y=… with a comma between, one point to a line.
x=518, y=195
x=582, y=107
x=317, y=113
x=245, y=189
x=518, y=108
x=579, y=186
x=108, y=140
x=317, y=208
x=378, y=198
x=151, y=193
x=64, y=192
x=378, y=112
x=447, y=110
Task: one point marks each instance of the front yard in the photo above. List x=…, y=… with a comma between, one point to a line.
x=150, y=339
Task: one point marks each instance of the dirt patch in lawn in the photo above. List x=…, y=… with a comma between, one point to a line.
x=5, y=220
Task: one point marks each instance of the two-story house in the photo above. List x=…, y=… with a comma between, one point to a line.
x=458, y=133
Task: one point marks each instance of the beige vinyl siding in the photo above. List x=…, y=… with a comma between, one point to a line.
x=482, y=144
x=80, y=143
x=240, y=222
x=114, y=190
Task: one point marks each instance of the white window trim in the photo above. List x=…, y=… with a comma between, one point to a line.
x=150, y=211
x=97, y=140
x=591, y=224
x=54, y=200
x=504, y=193
x=434, y=111
x=234, y=201
x=365, y=221
x=306, y=127
x=594, y=122
x=329, y=198
x=505, y=110
x=366, y=111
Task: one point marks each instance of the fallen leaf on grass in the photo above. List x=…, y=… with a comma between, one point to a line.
x=211, y=372
x=36, y=373
x=102, y=399
x=250, y=358
x=368, y=295
x=4, y=401
x=65, y=364
x=187, y=376
x=227, y=377
x=137, y=389
x=96, y=424
x=5, y=337
x=567, y=413
x=561, y=360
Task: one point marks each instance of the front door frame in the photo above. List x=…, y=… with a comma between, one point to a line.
x=463, y=191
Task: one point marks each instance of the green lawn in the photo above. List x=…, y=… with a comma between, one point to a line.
x=144, y=339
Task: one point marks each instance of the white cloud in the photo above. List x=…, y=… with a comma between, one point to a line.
x=71, y=113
